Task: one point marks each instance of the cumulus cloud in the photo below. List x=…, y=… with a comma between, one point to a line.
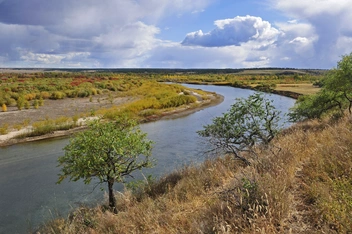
x=234, y=31
x=325, y=26
x=108, y=33
x=124, y=33
x=175, y=55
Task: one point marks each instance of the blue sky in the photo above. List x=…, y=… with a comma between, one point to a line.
x=174, y=34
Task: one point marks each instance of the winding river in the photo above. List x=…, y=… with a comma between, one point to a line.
x=29, y=195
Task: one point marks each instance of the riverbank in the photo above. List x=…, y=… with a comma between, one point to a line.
x=74, y=106
x=33, y=165
x=300, y=183
x=11, y=137
x=288, y=90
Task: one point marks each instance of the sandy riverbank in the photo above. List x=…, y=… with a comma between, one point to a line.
x=10, y=137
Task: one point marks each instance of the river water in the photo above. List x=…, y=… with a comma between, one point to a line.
x=29, y=195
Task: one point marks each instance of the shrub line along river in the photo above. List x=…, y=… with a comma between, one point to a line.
x=29, y=196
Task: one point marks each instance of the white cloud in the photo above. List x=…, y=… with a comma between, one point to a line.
x=326, y=26
x=124, y=33
x=176, y=55
x=114, y=33
x=236, y=31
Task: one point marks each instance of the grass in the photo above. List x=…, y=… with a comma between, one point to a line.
x=298, y=88
x=301, y=183
x=49, y=126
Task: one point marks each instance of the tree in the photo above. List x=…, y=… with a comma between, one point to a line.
x=108, y=151
x=249, y=122
x=317, y=105
x=339, y=80
x=334, y=97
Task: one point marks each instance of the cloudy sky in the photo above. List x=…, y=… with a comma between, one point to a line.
x=174, y=33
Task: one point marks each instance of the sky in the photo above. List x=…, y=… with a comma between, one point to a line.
x=174, y=33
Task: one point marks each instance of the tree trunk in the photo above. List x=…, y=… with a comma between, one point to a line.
x=112, y=200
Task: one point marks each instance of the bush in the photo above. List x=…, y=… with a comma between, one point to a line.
x=20, y=103
x=4, y=129
x=177, y=101
x=4, y=107
x=57, y=95
x=45, y=95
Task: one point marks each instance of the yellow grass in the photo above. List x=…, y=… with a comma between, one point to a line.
x=298, y=88
x=301, y=183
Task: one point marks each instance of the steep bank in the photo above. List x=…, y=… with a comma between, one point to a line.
x=300, y=184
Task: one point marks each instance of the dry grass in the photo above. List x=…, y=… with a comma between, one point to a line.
x=298, y=88
x=302, y=183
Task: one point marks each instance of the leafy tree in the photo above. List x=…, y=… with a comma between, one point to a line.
x=108, y=151
x=334, y=97
x=339, y=80
x=249, y=122
x=316, y=105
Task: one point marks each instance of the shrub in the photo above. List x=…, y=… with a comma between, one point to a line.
x=45, y=95
x=36, y=104
x=177, y=101
x=57, y=95
x=20, y=103
x=4, y=129
x=4, y=107
x=26, y=104
x=41, y=101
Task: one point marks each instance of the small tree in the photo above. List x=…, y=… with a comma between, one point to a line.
x=249, y=122
x=334, y=97
x=107, y=151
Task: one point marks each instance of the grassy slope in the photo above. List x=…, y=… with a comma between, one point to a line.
x=301, y=184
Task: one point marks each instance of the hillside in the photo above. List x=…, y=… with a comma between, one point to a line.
x=301, y=183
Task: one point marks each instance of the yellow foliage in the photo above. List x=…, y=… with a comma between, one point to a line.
x=4, y=107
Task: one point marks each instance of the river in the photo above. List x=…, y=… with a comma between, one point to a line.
x=29, y=195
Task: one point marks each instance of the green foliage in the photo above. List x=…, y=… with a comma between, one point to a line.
x=178, y=100
x=335, y=95
x=317, y=105
x=41, y=101
x=20, y=102
x=26, y=104
x=249, y=122
x=107, y=151
x=36, y=104
x=141, y=186
x=57, y=95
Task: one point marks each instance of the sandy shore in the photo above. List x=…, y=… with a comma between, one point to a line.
x=10, y=138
